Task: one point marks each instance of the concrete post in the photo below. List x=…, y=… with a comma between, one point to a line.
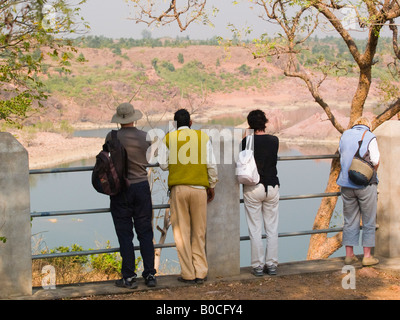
x=388, y=215
x=15, y=254
x=223, y=218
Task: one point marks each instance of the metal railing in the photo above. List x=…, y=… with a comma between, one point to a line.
x=165, y=206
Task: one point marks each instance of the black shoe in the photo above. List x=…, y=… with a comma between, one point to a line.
x=186, y=281
x=200, y=280
x=271, y=270
x=150, y=281
x=258, y=271
x=129, y=283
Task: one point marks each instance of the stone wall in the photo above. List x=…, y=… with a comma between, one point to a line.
x=15, y=253
x=388, y=215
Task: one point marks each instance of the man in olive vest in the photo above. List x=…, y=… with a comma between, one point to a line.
x=187, y=154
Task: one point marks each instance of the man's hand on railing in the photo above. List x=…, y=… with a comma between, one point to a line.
x=210, y=194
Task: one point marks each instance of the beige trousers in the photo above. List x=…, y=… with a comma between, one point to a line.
x=189, y=222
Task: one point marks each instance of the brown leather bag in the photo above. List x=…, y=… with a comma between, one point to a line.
x=361, y=170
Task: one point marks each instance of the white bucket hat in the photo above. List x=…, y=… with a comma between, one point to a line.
x=126, y=113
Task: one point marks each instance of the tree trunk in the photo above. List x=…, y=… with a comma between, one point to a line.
x=320, y=245
x=361, y=94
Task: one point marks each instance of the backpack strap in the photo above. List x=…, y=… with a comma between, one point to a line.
x=114, y=134
x=113, y=138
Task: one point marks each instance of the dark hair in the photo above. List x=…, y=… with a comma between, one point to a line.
x=182, y=118
x=257, y=120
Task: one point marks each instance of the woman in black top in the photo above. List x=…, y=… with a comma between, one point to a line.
x=262, y=200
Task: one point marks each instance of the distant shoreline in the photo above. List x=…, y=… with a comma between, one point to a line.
x=51, y=149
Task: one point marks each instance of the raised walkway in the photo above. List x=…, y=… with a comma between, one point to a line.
x=170, y=281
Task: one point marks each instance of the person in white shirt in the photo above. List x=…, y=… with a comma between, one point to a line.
x=359, y=201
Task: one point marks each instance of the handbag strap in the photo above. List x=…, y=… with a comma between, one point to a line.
x=360, y=144
x=249, y=139
x=363, y=136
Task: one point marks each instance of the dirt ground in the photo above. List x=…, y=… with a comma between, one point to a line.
x=369, y=284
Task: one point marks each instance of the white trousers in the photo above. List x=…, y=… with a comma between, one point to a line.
x=262, y=210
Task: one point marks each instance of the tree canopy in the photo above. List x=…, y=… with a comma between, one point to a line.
x=30, y=31
x=298, y=21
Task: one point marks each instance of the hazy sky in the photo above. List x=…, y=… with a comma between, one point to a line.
x=113, y=18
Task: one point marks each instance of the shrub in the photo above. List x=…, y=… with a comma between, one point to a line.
x=180, y=58
x=168, y=65
x=245, y=70
x=76, y=269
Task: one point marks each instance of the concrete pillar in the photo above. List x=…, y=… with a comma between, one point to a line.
x=223, y=217
x=15, y=253
x=388, y=215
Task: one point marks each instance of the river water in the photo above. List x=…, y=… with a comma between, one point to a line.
x=73, y=191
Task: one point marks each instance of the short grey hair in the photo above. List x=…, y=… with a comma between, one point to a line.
x=363, y=121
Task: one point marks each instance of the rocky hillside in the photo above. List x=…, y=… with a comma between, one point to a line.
x=211, y=82
x=215, y=85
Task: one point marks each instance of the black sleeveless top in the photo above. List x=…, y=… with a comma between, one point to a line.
x=266, y=155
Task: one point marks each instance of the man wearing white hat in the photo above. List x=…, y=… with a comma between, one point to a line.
x=133, y=207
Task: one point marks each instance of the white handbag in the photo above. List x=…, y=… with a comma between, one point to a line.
x=246, y=168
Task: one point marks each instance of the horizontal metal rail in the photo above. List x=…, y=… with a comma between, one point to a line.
x=90, y=168
x=72, y=169
x=310, y=196
x=171, y=245
x=298, y=233
x=165, y=206
x=312, y=157
x=84, y=211
x=60, y=170
x=92, y=252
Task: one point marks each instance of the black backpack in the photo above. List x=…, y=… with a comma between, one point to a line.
x=109, y=173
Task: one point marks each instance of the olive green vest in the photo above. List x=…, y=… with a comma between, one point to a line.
x=187, y=163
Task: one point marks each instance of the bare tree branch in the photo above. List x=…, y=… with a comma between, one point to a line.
x=183, y=15
x=336, y=23
x=315, y=93
x=388, y=114
x=291, y=27
x=396, y=48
